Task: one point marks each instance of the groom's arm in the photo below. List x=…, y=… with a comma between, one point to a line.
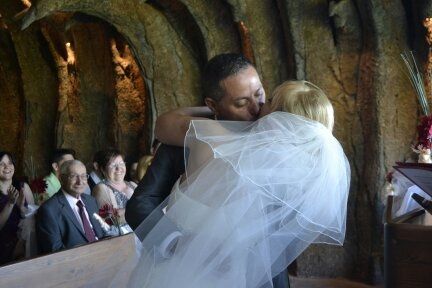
x=156, y=185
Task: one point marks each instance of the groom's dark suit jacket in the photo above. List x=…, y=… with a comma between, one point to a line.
x=167, y=166
x=57, y=227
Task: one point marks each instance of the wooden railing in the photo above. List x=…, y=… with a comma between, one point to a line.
x=92, y=265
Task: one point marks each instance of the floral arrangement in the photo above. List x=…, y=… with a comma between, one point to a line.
x=416, y=79
x=388, y=187
x=38, y=187
x=424, y=139
x=109, y=214
x=111, y=217
x=389, y=176
x=424, y=129
x=423, y=89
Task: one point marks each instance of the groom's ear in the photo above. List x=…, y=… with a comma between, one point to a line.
x=212, y=104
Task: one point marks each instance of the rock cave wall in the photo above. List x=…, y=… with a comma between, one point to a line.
x=88, y=74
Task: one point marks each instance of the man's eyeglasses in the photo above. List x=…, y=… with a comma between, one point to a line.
x=82, y=177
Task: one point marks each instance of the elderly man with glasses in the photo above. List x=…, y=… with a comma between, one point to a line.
x=66, y=219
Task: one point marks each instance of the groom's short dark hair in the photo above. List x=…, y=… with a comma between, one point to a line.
x=219, y=68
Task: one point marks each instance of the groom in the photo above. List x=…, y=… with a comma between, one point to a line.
x=232, y=91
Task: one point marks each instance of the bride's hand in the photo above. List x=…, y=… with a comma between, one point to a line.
x=172, y=126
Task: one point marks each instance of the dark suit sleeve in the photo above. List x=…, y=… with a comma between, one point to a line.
x=156, y=185
x=91, y=183
x=47, y=230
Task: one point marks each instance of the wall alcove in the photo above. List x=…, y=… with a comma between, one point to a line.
x=78, y=83
x=97, y=95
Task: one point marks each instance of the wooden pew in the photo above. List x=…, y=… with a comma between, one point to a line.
x=77, y=267
x=407, y=250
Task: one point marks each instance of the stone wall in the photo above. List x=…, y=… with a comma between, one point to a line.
x=128, y=61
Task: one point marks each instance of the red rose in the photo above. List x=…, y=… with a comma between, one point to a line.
x=109, y=213
x=389, y=177
x=38, y=186
x=424, y=130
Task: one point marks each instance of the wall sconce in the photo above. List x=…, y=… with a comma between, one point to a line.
x=26, y=3
x=70, y=54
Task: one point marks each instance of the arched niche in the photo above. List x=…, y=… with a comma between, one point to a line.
x=11, y=99
x=170, y=66
x=168, y=63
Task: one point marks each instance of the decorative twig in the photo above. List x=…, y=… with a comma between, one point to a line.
x=416, y=79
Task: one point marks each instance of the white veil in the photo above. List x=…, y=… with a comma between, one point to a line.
x=255, y=196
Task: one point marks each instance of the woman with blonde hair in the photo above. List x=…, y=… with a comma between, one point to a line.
x=301, y=98
x=261, y=194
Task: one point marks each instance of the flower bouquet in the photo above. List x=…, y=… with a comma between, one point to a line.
x=38, y=186
x=424, y=129
x=109, y=219
x=424, y=143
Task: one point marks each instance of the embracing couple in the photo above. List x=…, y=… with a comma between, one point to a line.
x=242, y=199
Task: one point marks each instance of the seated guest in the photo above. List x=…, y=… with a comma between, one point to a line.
x=114, y=190
x=143, y=164
x=58, y=158
x=14, y=199
x=66, y=219
x=131, y=174
x=96, y=174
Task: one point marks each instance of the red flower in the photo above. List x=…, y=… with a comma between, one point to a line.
x=109, y=214
x=424, y=130
x=38, y=186
x=389, y=177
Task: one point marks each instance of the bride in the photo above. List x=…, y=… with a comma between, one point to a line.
x=254, y=196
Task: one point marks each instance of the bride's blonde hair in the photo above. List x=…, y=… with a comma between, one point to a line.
x=305, y=99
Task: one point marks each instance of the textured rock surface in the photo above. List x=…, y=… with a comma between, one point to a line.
x=327, y=67
x=136, y=59
x=11, y=99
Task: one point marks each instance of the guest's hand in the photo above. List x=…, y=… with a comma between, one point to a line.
x=13, y=195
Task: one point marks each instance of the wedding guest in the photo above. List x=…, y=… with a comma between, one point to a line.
x=14, y=199
x=114, y=190
x=143, y=165
x=58, y=158
x=131, y=170
x=95, y=176
x=66, y=219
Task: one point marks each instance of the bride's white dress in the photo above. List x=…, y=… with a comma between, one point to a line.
x=255, y=196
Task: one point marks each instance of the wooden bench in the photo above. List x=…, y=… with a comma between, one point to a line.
x=407, y=250
x=91, y=265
